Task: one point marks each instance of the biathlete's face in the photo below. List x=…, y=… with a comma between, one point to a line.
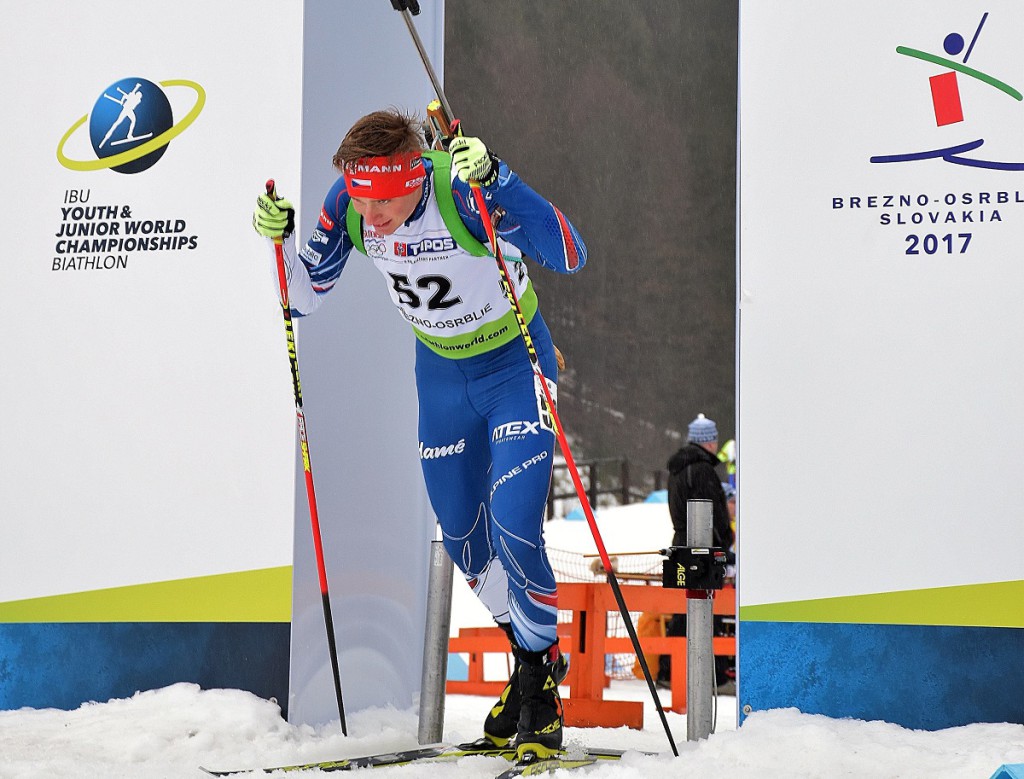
x=386, y=216
x=385, y=190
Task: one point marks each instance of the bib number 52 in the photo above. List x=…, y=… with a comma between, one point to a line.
x=437, y=289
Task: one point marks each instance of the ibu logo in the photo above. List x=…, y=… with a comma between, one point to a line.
x=129, y=113
x=131, y=125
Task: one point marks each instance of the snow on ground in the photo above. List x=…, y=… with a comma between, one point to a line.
x=639, y=527
x=169, y=733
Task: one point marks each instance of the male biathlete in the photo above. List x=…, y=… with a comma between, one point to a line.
x=485, y=446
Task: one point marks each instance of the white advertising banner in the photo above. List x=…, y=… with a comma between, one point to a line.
x=148, y=431
x=153, y=529
x=881, y=226
x=145, y=411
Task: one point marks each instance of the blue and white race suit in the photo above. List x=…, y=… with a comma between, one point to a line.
x=485, y=454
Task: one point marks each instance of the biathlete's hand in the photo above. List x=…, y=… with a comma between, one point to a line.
x=273, y=218
x=472, y=160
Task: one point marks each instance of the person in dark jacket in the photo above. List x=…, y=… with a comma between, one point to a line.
x=692, y=476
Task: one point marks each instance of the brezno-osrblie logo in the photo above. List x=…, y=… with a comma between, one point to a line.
x=948, y=104
x=131, y=125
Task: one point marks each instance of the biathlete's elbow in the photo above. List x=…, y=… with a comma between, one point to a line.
x=570, y=263
x=564, y=265
x=575, y=258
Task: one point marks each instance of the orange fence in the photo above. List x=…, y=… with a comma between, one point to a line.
x=586, y=640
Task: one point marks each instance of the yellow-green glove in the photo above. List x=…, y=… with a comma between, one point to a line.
x=273, y=218
x=472, y=160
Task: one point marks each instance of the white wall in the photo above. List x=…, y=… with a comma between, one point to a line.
x=878, y=389
x=356, y=359
x=145, y=414
x=879, y=421
x=148, y=428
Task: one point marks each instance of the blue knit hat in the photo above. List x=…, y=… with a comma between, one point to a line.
x=702, y=430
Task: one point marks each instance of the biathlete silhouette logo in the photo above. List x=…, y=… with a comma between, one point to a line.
x=948, y=107
x=131, y=125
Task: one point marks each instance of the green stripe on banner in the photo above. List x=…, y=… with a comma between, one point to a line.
x=263, y=595
x=996, y=605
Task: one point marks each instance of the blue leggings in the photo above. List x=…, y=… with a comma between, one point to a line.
x=487, y=465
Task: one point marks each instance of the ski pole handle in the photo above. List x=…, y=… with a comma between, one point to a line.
x=272, y=194
x=441, y=125
x=282, y=275
x=412, y=6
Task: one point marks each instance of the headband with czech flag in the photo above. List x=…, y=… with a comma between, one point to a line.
x=384, y=178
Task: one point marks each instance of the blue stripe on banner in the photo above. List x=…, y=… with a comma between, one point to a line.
x=62, y=665
x=918, y=676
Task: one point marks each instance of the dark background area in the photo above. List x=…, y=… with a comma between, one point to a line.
x=624, y=116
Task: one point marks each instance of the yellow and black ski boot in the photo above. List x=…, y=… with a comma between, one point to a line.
x=502, y=723
x=503, y=720
x=540, y=716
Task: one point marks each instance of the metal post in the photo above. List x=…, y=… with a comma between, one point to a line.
x=700, y=658
x=435, y=645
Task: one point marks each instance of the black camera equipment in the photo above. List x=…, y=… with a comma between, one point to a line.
x=694, y=567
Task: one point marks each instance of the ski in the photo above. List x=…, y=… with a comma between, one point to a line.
x=437, y=752
x=574, y=758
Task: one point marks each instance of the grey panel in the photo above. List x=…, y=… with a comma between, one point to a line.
x=356, y=363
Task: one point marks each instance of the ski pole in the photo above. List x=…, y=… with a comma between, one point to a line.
x=314, y=518
x=405, y=6
x=549, y=407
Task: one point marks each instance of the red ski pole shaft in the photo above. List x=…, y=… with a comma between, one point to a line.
x=549, y=408
x=314, y=516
